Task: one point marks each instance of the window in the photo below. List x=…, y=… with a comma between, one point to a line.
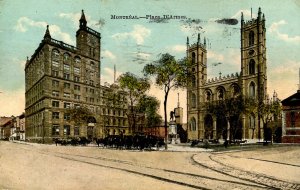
x=92, y=82
x=67, y=105
x=55, y=115
x=54, y=73
x=76, y=105
x=77, y=60
x=193, y=100
x=77, y=97
x=66, y=129
x=252, y=90
x=220, y=94
x=76, y=87
x=251, y=38
x=55, y=93
x=193, y=57
x=55, y=54
x=252, y=122
x=55, y=64
x=67, y=116
x=91, y=99
x=92, y=90
x=252, y=67
x=77, y=70
x=67, y=95
x=208, y=96
x=55, y=129
x=76, y=78
x=67, y=85
x=193, y=81
x=66, y=57
x=67, y=76
x=193, y=124
x=293, y=119
x=76, y=130
x=55, y=104
x=66, y=68
x=55, y=83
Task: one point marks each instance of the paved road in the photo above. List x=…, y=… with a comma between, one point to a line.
x=36, y=166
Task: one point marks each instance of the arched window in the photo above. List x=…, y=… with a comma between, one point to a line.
x=193, y=100
x=221, y=94
x=208, y=96
x=66, y=57
x=252, y=122
x=251, y=38
x=252, y=67
x=55, y=54
x=193, y=81
x=193, y=124
x=77, y=60
x=235, y=90
x=193, y=57
x=252, y=90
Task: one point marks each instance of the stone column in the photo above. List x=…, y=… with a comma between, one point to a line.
x=244, y=127
x=228, y=129
x=215, y=127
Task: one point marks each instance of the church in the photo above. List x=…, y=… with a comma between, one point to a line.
x=250, y=82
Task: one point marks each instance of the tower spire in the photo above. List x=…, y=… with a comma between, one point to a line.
x=259, y=13
x=198, y=41
x=47, y=35
x=82, y=21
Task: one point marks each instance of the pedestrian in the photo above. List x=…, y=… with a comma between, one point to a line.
x=226, y=143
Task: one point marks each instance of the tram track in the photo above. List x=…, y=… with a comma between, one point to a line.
x=192, y=180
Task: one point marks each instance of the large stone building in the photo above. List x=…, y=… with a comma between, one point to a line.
x=251, y=81
x=59, y=76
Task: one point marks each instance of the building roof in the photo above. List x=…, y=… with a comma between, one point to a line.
x=293, y=100
x=4, y=120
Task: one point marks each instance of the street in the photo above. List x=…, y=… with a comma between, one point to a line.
x=37, y=166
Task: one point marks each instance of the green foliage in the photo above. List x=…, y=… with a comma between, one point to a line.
x=168, y=74
x=150, y=105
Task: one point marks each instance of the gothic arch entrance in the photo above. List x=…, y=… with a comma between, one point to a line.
x=208, y=126
x=221, y=127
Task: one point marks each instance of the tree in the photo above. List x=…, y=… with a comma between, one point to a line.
x=168, y=74
x=149, y=105
x=80, y=115
x=233, y=109
x=135, y=88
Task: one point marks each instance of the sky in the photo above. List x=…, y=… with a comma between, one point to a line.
x=129, y=44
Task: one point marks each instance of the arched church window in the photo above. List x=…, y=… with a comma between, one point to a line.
x=252, y=122
x=193, y=57
x=208, y=96
x=252, y=90
x=66, y=57
x=193, y=100
x=252, y=67
x=251, y=38
x=221, y=94
x=235, y=91
x=193, y=81
x=193, y=124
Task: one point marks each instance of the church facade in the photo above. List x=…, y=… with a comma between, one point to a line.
x=251, y=81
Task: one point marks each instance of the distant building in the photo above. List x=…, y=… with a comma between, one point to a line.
x=6, y=127
x=250, y=81
x=58, y=77
x=20, y=127
x=291, y=119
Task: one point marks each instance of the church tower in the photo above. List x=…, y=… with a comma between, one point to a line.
x=253, y=59
x=197, y=54
x=88, y=40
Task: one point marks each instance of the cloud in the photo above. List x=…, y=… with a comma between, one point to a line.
x=178, y=48
x=74, y=17
x=138, y=34
x=14, y=102
x=246, y=13
x=24, y=23
x=108, y=54
x=280, y=76
x=108, y=75
x=274, y=29
x=215, y=56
